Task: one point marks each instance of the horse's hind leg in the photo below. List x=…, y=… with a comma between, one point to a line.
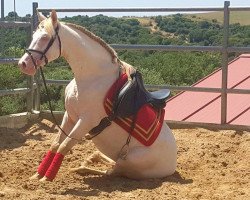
x=98, y=156
x=140, y=163
x=134, y=164
x=67, y=125
x=137, y=160
x=95, y=157
x=83, y=170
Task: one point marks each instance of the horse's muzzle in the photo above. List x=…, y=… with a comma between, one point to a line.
x=26, y=66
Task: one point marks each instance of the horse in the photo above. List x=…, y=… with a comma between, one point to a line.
x=95, y=66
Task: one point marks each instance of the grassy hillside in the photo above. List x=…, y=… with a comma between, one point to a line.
x=242, y=17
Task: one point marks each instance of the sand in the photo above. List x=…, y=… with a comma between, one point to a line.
x=212, y=164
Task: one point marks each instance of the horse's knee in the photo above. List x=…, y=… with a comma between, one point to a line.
x=54, y=146
x=63, y=148
x=66, y=146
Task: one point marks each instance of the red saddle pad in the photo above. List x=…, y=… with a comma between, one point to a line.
x=148, y=121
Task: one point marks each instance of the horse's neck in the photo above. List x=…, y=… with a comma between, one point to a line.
x=86, y=57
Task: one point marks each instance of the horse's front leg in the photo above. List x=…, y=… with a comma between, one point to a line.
x=67, y=125
x=74, y=137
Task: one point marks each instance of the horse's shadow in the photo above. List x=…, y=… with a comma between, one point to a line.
x=107, y=184
x=14, y=138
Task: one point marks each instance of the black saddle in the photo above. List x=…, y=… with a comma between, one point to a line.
x=134, y=95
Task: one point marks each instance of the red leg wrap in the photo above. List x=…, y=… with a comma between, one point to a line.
x=44, y=165
x=55, y=166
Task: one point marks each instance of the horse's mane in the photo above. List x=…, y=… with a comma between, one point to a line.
x=97, y=39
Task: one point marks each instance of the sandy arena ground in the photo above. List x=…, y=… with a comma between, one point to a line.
x=211, y=165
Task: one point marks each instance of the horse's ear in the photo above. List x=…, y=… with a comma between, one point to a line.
x=53, y=17
x=41, y=17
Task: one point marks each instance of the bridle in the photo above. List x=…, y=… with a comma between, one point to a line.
x=43, y=53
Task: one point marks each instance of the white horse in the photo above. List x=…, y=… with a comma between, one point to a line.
x=95, y=66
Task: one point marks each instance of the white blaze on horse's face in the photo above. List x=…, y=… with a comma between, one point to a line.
x=40, y=40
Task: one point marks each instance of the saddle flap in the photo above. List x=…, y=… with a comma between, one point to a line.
x=128, y=100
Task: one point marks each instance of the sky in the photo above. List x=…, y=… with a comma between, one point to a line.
x=24, y=7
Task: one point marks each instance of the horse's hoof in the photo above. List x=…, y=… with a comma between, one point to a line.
x=45, y=179
x=36, y=176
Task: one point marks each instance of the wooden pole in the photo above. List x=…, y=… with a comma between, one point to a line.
x=2, y=10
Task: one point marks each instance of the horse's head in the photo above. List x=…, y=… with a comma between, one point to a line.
x=45, y=45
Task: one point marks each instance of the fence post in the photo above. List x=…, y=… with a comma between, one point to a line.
x=225, y=63
x=30, y=79
x=34, y=15
x=37, y=75
x=2, y=10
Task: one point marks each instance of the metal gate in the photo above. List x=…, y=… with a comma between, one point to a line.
x=33, y=88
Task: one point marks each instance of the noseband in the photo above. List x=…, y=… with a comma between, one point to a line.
x=43, y=53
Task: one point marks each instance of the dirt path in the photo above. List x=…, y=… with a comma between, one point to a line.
x=211, y=165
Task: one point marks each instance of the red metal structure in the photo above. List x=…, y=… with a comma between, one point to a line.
x=205, y=107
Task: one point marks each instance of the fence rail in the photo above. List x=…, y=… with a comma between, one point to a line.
x=14, y=24
x=100, y=10
x=176, y=88
x=14, y=91
x=9, y=60
x=225, y=49
x=180, y=48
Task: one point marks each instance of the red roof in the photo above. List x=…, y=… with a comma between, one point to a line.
x=205, y=107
